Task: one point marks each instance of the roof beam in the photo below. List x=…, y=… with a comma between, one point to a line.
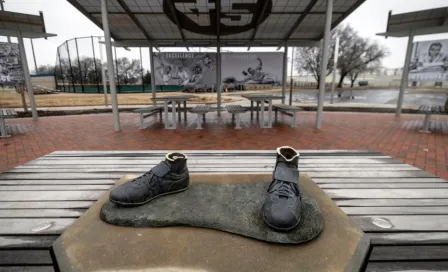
x=300, y=19
x=134, y=19
x=345, y=15
x=218, y=18
x=259, y=15
x=239, y=13
x=92, y=18
x=176, y=20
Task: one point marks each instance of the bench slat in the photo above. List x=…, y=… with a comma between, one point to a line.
x=149, y=109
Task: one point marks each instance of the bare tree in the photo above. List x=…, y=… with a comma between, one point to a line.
x=307, y=61
x=357, y=54
x=129, y=71
x=45, y=69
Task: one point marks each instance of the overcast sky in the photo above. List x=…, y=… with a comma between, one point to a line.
x=63, y=19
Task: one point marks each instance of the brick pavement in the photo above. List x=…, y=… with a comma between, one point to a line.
x=396, y=137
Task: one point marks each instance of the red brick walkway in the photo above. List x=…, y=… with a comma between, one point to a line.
x=396, y=137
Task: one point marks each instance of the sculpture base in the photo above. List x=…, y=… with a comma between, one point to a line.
x=93, y=245
x=235, y=208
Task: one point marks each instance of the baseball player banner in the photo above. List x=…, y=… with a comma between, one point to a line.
x=10, y=66
x=252, y=68
x=185, y=69
x=429, y=61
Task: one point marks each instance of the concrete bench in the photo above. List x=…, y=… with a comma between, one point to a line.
x=148, y=111
x=428, y=110
x=5, y=114
x=290, y=110
x=236, y=110
x=200, y=110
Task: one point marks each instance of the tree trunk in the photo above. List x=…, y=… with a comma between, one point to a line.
x=352, y=83
x=341, y=80
x=446, y=104
x=318, y=82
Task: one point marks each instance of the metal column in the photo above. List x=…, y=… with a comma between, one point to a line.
x=291, y=80
x=218, y=77
x=333, y=82
x=96, y=68
x=26, y=74
x=110, y=65
x=103, y=74
x=34, y=55
x=153, y=74
x=285, y=73
x=79, y=65
x=404, y=76
x=324, y=63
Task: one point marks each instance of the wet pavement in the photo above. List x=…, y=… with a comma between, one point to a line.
x=372, y=96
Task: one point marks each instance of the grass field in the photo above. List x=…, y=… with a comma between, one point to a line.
x=11, y=99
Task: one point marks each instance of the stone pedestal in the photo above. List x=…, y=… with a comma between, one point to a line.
x=93, y=245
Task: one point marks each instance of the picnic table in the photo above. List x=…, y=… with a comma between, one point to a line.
x=173, y=99
x=260, y=99
x=402, y=209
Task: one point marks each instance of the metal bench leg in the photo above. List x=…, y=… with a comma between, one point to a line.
x=237, y=126
x=262, y=114
x=426, y=123
x=203, y=117
x=233, y=117
x=270, y=114
x=3, y=133
x=198, y=120
x=185, y=111
x=251, y=109
x=276, y=114
x=293, y=124
x=165, y=114
x=258, y=109
x=179, y=113
x=160, y=114
x=141, y=121
x=173, y=108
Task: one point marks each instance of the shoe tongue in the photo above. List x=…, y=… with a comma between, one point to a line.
x=176, y=165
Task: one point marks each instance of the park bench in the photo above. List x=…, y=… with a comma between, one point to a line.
x=289, y=110
x=428, y=110
x=147, y=112
x=236, y=110
x=5, y=114
x=200, y=110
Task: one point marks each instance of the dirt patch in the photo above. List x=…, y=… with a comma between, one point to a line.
x=11, y=99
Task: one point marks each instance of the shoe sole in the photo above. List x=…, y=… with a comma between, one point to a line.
x=149, y=200
x=281, y=229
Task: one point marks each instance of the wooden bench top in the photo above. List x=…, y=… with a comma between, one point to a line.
x=8, y=113
x=235, y=108
x=431, y=108
x=287, y=107
x=149, y=109
x=201, y=109
x=403, y=209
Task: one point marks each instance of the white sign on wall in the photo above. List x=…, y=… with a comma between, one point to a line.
x=429, y=61
x=10, y=65
x=252, y=68
x=185, y=69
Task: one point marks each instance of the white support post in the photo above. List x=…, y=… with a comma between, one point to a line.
x=218, y=77
x=153, y=74
x=404, y=76
x=103, y=74
x=26, y=74
x=110, y=65
x=323, y=64
x=285, y=73
x=335, y=68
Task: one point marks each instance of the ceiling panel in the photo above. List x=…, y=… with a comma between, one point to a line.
x=150, y=14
